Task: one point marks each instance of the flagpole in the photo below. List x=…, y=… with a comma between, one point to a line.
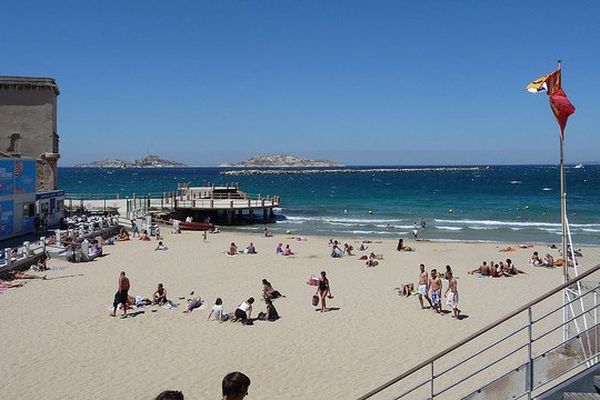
x=563, y=221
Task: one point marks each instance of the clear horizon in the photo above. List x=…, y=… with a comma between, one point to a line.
x=377, y=83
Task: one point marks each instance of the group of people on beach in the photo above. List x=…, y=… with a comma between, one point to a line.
x=497, y=270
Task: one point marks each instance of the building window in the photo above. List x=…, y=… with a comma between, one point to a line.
x=15, y=144
x=28, y=209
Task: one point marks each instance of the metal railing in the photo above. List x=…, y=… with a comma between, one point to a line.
x=518, y=356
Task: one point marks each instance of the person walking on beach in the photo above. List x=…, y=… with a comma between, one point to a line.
x=235, y=386
x=452, y=294
x=121, y=296
x=134, y=229
x=423, y=287
x=415, y=232
x=435, y=285
x=324, y=290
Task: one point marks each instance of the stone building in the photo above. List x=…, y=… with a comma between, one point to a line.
x=28, y=109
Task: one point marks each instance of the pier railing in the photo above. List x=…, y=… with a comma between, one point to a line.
x=520, y=356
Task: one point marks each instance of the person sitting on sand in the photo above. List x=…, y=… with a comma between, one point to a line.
x=287, y=251
x=363, y=247
x=536, y=260
x=372, y=261
x=279, y=249
x=267, y=232
x=144, y=235
x=511, y=269
x=548, y=261
x=160, y=296
x=348, y=249
x=215, y=230
x=51, y=239
x=271, y=314
x=123, y=235
x=269, y=292
x=406, y=289
x=250, y=249
x=244, y=311
x=336, y=252
x=96, y=249
x=400, y=246
x=41, y=264
x=161, y=247
x=483, y=269
x=233, y=250
x=217, y=311
x=22, y=275
x=235, y=386
x=193, y=304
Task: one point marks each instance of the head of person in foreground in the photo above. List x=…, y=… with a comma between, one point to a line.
x=235, y=386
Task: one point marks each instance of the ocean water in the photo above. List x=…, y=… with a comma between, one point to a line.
x=507, y=203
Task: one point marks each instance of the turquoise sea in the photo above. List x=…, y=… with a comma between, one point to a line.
x=509, y=203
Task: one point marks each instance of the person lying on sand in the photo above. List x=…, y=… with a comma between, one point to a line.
x=22, y=275
x=138, y=301
x=267, y=233
x=507, y=249
x=41, y=264
x=525, y=246
x=193, y=304
x=10, y=285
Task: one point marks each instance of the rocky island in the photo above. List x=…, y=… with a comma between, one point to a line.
x=282, y=160
x=149, y=161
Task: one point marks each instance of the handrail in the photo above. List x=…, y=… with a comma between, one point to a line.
x=478, y=333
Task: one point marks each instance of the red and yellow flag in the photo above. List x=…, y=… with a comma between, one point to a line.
x=559, y=102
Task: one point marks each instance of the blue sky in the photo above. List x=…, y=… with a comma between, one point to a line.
x=370, y=82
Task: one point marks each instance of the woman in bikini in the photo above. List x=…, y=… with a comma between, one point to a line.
x=323, y=289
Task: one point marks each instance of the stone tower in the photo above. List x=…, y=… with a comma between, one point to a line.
x=28, y=124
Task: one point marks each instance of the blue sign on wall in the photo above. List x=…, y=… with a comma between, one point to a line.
x=6, y=218
x=24, y=172
x=6, y=177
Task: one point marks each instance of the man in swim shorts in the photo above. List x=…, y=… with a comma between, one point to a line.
x=423, y=287
x=452, y=295
x=435, y=285
x=121, y=297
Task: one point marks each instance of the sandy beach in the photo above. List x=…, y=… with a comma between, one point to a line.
x=60, y=342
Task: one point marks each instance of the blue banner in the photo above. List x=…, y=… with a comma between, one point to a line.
x=6, y=218
x=6, y=177
x=24, y=172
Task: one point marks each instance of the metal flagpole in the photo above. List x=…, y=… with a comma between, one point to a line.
x=563, y=213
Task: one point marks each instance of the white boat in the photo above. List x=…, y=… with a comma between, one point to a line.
x=579, y=166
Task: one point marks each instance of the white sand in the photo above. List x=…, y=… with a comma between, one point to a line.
x=60, y=343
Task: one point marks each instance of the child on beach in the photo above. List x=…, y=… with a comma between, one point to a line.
x=235, y=386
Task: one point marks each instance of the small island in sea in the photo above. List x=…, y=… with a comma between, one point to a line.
x=282, y=160
x=148, y=161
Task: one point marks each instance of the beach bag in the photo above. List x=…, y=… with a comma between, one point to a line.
x=315, y=300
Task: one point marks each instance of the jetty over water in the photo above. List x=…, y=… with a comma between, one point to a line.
x=287, y=171
x=224, y=204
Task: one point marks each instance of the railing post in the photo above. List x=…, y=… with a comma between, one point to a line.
x=432, y=391
x=529, y=379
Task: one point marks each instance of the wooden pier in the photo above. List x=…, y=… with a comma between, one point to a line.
x=219, y=204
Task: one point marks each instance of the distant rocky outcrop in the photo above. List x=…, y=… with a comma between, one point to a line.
x=149, y=161
x=282, y=160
